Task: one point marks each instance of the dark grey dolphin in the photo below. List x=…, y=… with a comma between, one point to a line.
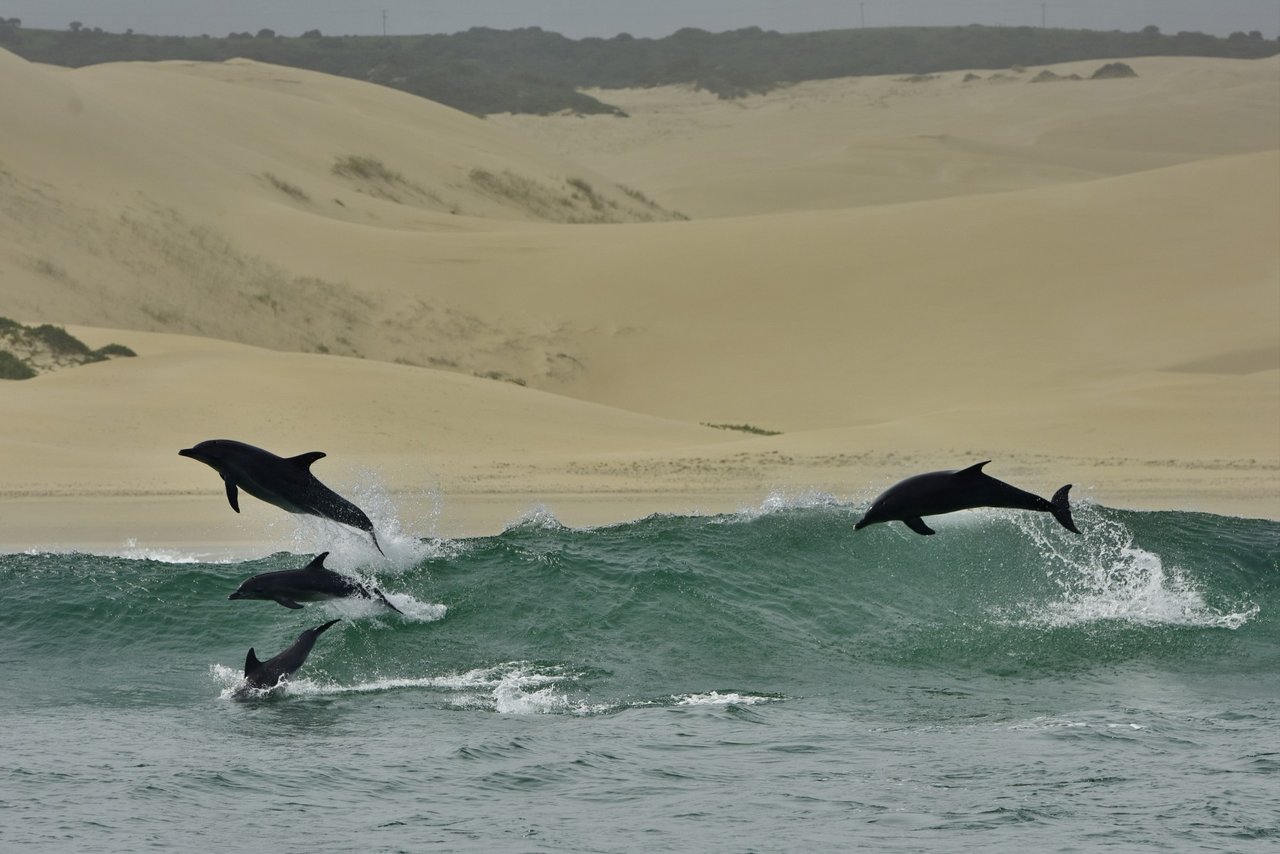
x=941, y=492
x=285, y=482
x=267, y=674
x=311, y=583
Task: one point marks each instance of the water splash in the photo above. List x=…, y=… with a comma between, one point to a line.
x=512, y=688
x=1104, y=575
x=784, y=500
x=540, y=517
x=729, y=698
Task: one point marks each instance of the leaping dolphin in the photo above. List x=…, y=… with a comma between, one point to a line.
x=285, y=482
x=311, y=583
x=939, y=492
x=267, y=674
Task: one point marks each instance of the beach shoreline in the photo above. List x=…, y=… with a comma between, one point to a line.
x=200, y=523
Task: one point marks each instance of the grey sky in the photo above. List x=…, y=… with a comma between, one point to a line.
x=579, y=18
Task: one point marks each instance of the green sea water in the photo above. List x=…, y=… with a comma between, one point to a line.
x=760, y=681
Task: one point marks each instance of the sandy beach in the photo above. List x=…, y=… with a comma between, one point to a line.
x=1078, y=280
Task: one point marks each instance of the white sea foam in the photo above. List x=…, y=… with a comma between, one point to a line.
x=1050, y=723
x=514, y=688
x=411, y=610
x=782, y=501
x=715, y=698
x=540, y=516
x=131, y=550
x=1105, y=576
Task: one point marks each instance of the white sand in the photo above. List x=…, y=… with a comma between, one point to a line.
x=1078, y=280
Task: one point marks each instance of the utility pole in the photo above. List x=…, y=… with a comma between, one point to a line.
x=1044, y=16
x=384, y=22
x=862, y=10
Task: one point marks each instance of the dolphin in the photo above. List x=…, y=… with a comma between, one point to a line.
x=285, y=482
x=939, y=492
x=267, y=674
x=311, y=583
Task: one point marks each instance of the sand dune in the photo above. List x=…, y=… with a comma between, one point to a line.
x=1079, y=279
x=876, y=140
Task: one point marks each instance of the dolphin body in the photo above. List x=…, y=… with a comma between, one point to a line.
x=311, y=583
x=285, y=482
x=267, y=674
x=939, y=492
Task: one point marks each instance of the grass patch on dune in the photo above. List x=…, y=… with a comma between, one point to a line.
x=744, y=428
x=291, y=190
x=575, y=200
x=374, y=178
x=366, y=168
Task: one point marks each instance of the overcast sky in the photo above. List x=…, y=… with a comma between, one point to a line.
x=578, y=18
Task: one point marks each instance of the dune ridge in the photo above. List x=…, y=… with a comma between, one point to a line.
x=1047, y=275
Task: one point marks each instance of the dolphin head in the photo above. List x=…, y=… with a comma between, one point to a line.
x=207, y=452
x=250, y=589
x=875, y=513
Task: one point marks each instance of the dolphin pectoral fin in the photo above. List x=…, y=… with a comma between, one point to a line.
x=232, y=495
x=917, y=524
x=288, y=603
x=304, y=461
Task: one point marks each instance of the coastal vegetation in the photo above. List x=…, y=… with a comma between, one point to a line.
x=744, y=428
x=26, y=351
x=483, y=71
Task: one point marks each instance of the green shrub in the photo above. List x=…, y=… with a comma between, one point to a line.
x=13, y=368
x=60, y=341
x=113, y=350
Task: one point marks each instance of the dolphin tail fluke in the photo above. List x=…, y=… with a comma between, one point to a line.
x=319, y=630
x=385, y=601
x=1061, y=510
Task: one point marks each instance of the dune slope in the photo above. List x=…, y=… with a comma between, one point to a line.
x=1049, y=275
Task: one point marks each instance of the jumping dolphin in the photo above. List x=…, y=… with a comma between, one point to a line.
x=311, y=583
x=285, y=482
x=941, y=492
x=267, y=674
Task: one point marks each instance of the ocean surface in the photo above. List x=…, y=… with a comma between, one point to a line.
x=766, y=680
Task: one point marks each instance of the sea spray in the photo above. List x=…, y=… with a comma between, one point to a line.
x=1107, y=576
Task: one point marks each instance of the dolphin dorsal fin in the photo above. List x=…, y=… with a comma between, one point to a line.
x=976, y=468
x=317, y=562
x=304, y=461
x=251, y=662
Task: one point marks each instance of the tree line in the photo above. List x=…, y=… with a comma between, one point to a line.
x=531, y=70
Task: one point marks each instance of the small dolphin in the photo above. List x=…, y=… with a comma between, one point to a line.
x=285, y=482
x=267, y=674
x=312, y=583
x=941, y=492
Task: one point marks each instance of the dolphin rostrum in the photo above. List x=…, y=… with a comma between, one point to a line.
x=267, y=674
x=285, y=482
x=311, y=583
x=939, y=492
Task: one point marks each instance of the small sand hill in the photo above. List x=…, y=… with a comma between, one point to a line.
x=154, y=195
x=875, y=140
